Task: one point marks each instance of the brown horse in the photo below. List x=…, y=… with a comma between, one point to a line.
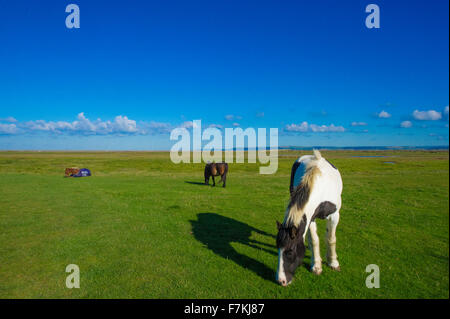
x=71, y=171
x=216, y=169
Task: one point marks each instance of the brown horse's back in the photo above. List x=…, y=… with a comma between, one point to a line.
x=216, y=169
x=71, y=171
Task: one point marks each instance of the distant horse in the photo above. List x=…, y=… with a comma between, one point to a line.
x=316, y=187
x=216, y=169
x=71, y=171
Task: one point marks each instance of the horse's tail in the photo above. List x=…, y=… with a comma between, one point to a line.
x=300, y=196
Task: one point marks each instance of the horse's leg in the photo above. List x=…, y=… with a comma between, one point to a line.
x=206, y=179
x=310, y=246
x=332, y=222
x=224, y=175
x=224, y=178
x=214, y=182
x=316, y=261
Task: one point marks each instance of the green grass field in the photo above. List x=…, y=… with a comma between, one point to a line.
x=143, y=227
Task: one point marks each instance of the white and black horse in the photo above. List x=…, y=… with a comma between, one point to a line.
x=316, y=187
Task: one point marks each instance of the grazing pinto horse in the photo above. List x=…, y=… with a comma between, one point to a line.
x=316, y=188
x=216, y=169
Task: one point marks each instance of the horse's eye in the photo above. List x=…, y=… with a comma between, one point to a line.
x=289, y=253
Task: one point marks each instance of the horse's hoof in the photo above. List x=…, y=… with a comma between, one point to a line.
x=337, y=268
x=317, y=271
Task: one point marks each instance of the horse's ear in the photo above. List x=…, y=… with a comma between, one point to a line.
x=278, y=225
x=293, y=232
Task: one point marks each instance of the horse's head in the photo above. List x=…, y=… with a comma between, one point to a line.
x=291, y=251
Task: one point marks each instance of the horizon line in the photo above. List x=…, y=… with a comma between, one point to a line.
x=334, y=148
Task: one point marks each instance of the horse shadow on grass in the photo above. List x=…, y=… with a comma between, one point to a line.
x=218, y=232
x=196, y=183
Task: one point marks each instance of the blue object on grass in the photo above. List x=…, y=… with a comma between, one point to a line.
x=84, y=172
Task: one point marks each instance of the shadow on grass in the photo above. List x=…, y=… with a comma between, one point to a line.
x=196, y=183
x=218, y=232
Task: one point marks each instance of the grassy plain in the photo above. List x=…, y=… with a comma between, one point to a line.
x=143, y=227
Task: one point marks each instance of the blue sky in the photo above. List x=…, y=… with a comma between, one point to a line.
x=136, y=69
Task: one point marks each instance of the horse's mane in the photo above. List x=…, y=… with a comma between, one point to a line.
x=300, y=196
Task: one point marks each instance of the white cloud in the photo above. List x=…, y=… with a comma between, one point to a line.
x=124, y=125
x=41, y=125
x=406, y=124
x=384, y=115
x=446, y=111
x=324, y=128
x=231, y=117
x=155, y=127
x=84, y=126
x=8, y=129
x=430, y=115
x=359, y=123
x=188, y=124
x=236, y=124
x=120, y=125
x=305, y=127
x=8, y=119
